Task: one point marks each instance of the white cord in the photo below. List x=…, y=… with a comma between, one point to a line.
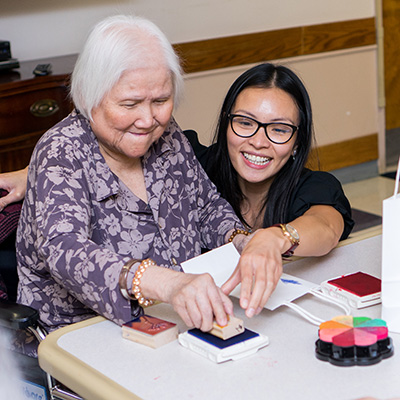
x=312, y=318
x=341, y=304
x=305, y=314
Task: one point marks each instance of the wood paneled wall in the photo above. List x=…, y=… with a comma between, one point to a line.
x=345, y=154
x=272, y=45
x=285, y=43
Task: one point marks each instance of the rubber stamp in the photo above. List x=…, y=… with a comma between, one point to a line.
x=150, y=331
x=234, y=327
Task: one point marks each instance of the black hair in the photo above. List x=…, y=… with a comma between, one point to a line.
x=221, y=170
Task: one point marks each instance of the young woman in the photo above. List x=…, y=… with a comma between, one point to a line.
x=257, y=162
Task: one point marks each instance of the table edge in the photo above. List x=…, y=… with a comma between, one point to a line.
x=95, y=385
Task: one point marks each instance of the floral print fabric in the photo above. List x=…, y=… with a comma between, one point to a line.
x=80, y=224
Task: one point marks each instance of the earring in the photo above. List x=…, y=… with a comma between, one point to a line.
x=294, y=154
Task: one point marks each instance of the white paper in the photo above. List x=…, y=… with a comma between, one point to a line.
x=221, y=262
x=396, y=186
x=390, y=264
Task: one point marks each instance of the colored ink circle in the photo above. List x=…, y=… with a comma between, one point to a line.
x=346, y=340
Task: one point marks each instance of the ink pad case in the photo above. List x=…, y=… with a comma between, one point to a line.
x=219, y=350
x=358, y=289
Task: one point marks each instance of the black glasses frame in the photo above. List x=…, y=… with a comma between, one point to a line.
x=262, y=125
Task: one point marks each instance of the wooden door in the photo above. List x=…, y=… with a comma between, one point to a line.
x=391, y=25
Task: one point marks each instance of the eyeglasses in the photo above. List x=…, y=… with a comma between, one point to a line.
x=276, y=132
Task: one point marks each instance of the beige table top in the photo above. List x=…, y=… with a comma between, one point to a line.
x=94, y=360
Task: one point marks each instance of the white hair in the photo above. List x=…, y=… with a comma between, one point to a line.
x=114, y=46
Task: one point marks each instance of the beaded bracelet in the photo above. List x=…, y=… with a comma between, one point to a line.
x=136, y=283
x=238, y=232
x=137, y=295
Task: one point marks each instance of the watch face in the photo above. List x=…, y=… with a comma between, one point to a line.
x=292, y=232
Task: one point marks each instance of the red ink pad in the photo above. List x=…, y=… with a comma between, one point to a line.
x=358, y=289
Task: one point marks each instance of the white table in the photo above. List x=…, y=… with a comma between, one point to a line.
x=94, y=360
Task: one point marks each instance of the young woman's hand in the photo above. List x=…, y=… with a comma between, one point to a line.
x=260, y=264
x=15, y=184
x=259, y=269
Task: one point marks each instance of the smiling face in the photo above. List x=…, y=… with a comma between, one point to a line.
x=256, y=159
x=134, y=114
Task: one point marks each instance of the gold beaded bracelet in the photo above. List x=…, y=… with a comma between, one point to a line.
x=238, y=232
x=137, y=294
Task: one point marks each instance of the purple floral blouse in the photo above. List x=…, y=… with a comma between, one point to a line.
x=80, y=224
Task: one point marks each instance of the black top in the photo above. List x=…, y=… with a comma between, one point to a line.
x=314, y=188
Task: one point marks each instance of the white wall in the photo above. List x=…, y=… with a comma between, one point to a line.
x=342, y=86
x=45, y=28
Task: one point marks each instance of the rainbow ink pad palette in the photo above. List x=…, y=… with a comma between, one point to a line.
x=347, y=341
x=358, y=289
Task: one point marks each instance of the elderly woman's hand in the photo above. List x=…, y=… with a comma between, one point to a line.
x=258, y=270
x=15, y=184
x=196, y=298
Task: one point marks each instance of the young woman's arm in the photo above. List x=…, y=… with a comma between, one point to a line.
x=15, y=184
x=260, y=264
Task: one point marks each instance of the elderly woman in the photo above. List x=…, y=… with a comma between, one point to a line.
x=115, y=198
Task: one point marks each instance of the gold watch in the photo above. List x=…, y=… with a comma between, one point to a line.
x=291, y=233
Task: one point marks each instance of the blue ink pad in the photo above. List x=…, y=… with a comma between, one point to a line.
x=221, y=343
x=219, y=350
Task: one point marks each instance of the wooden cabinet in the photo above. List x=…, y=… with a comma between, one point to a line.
x=29, y=106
